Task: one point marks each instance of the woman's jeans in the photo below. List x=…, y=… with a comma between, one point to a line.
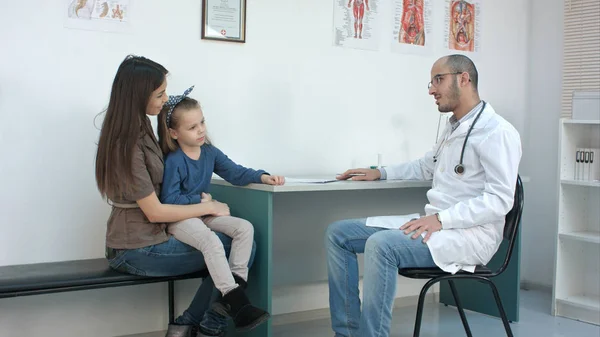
x=173, y=258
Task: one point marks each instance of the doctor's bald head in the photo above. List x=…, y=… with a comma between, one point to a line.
x=454, y=84
x=462, y=64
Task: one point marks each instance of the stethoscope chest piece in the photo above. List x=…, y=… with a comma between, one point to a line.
x=460, y=168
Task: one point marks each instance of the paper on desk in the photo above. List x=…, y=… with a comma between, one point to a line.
x=391, y=221
x=309, y=180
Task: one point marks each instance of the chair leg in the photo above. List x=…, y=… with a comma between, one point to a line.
x=500, y=308
x=421, y=305
x=459, y=306
x=171, y=302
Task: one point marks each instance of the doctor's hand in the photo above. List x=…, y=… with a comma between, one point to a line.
x=272, y=180
x=427, y=224
x=360, y=174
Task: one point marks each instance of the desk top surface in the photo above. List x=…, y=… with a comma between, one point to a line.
x=342, y=185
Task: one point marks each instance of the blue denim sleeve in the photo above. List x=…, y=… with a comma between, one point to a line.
x=234, y=173
x=171, y=192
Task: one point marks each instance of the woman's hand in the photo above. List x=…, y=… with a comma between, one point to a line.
x=272, y=180
x=219, y=208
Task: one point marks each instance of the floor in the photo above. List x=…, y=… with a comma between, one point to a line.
x=439, y=320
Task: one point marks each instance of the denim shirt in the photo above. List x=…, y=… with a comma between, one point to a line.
x=185, y=178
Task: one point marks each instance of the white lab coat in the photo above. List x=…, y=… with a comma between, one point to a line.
x=472, y=206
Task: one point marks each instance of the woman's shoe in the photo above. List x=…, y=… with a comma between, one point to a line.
x=177, y=330
x=202, y=333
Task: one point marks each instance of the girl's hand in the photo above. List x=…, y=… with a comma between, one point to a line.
x=206, y=197
x=272, y=180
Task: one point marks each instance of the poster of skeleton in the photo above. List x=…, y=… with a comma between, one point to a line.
x=412, y=27
x=463, y=25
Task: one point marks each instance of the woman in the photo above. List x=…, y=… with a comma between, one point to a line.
x=129, y=172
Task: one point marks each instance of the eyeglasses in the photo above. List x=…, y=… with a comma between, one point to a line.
x=438, y=78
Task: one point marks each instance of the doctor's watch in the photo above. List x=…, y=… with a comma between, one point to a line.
x=439, y=219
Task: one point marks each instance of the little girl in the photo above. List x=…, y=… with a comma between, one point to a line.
x=189, y=164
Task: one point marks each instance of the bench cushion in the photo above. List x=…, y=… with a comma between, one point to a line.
x=29, y=279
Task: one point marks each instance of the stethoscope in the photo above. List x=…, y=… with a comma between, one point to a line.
x=460, y=168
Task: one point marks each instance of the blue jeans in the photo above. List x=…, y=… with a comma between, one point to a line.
x=385, y=251
x=174, y=257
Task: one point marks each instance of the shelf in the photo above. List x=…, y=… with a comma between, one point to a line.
x=585, y=236
x=576, y=121
x=576, y=281
x=592, y=183
x=589, y=302
x=584, y=308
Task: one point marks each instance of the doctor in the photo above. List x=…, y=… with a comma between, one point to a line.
x=474, y=170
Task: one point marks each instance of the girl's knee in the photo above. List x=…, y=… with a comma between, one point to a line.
x=245, y=229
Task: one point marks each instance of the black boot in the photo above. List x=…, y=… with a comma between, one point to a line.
x=240, y=281
x=236, y=305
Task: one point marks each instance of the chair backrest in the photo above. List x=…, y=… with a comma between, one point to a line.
x=511, y=223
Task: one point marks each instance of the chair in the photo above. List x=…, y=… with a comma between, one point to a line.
x=482, y=273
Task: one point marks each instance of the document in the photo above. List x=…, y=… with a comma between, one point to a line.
x=391, y=221
x=309, y=180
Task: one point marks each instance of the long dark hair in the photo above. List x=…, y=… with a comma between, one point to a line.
x=168, y=144
x=125, y=122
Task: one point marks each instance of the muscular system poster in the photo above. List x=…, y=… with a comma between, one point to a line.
x=412, y=26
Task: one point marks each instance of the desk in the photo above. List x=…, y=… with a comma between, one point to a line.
x=273, y=208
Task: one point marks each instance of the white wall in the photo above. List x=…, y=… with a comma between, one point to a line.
x=301, y=106
x=540, y=145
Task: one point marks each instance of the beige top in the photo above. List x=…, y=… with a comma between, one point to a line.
x=129, y=228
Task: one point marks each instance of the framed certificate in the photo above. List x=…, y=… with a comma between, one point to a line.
x=224, y=20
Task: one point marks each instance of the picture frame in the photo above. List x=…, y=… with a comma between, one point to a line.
x=224, y=20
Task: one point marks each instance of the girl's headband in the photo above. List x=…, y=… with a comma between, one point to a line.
x=173, y=101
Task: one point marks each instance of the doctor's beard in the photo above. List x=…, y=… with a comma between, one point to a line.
x=453, y=96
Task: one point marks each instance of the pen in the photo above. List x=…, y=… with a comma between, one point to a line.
x=353, y=174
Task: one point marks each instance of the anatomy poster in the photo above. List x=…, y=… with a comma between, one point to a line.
x=463, y=25
x=412, y=27
x=357, y=24
x=103, y=15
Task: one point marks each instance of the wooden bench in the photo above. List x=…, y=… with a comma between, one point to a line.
x=56, y=277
